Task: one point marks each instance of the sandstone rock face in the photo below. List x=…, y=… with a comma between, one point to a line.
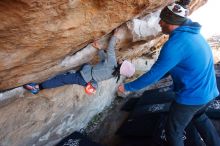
x=40, y=39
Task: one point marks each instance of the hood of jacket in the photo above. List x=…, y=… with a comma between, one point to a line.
x=188, y=26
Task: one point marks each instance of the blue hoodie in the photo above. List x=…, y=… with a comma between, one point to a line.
x=188, y=58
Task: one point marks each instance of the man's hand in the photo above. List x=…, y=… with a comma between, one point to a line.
x=121, y=88
x=122, y=92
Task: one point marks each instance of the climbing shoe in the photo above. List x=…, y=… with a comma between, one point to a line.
x=32, y=87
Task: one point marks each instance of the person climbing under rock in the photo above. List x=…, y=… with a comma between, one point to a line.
x=89, y=75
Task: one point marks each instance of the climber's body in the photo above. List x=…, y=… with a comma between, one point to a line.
x=105, y=69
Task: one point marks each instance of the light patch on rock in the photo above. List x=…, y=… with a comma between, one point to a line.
x=45, y=137
x=36, y=134
x=145, y=27
x=17, y=92
x=61, y=128
x=53, y=117
x=80, y=57
x=143, y=64
x=67, y=124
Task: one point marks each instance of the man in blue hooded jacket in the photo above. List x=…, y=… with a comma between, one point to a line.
x=188, y=58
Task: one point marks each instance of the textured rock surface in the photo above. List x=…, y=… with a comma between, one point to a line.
x=42, y=38
x=54, y=113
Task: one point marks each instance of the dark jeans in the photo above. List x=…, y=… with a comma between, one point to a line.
x=181, y=115
x=63, y=79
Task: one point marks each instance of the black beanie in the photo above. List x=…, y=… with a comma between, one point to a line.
x=174, y=14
